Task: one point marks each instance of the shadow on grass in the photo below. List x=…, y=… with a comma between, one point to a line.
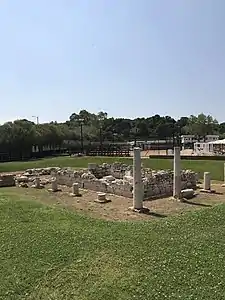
x=154, y=214
x=196, y=203
x=213, y=192
x=218, y=193
x=33, y=159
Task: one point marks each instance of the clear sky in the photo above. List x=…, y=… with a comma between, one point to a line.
x=126, y=57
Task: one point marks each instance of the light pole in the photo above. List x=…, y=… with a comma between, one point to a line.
x=178, y=136
x=135, y=139
x=100, y=134
x=81, y=135
x=114, y=135
x=114, y=146
x=134, y=130
x=37, y=119
x=101, y=118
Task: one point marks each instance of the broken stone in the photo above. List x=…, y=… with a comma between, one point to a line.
x=54, y=186
x=22, y=178
x=37, y=184
x=102, y=198
x=23, y=185
x=75, y=190
x=187, y=193
x=7, y=180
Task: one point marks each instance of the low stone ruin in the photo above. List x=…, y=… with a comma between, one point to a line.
x=40, y=171
x=7, y=180
x=117, y=179
x=37, y=177
x=117, y=170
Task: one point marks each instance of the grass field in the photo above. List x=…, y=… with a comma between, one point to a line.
x=53, y=254
x=215, y=167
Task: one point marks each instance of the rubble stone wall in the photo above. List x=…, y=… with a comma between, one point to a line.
x=114, y=179
x=160, y=184
x=7, y=180
x=118, y=180
x=117, y=170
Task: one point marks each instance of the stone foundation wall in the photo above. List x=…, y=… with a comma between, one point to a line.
x=87, y=180
x=120, y=181
x=160, y=184
x=117, y=170
x=7, y=180
x=114, y=179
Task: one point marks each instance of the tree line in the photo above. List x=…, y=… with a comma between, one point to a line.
x=17, y=138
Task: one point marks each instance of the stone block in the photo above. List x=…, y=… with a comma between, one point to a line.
x=187, y=193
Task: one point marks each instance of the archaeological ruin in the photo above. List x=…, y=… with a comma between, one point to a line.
x=118, y=178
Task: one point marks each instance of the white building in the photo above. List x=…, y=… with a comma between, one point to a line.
x=211, y=148
x=203, y=148
x=191, y=139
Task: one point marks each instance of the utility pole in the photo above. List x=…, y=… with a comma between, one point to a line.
x=100, y=133
x=101, y=119
x=81, y=135
x=37, y=119
x=135, y=132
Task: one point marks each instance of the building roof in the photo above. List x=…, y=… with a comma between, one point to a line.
x=221, y=142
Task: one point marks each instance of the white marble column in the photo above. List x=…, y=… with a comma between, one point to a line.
x=138, y=189
x=207, y=184
x=75, y=190
x=37, y=183
x=223, y=185
x=177, y=173
x=207, y=181
x=54, y=185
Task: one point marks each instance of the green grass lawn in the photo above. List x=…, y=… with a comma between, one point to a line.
x=215, y=167
x=54, y=254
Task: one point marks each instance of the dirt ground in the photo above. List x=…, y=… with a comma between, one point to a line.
x=118, y=208
x=147, y=153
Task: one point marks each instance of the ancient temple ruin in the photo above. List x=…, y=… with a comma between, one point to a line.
x=117, y=178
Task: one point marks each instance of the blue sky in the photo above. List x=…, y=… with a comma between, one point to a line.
x=127, y=57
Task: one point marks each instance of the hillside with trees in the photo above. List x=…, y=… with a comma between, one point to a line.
x=18, y=137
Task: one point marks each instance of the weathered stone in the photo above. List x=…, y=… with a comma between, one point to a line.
x=102, y=198
x=177, y=174
x=37, y=184
x=54, y=187
x=207, y=183
x=41, y=171
x=138, y=186
x=187, y=193
x=7, y=180
x=75, y=190
x=27, y=174
x=223, y=185
x=23, y=185
x=109, y=178
x=22, y=178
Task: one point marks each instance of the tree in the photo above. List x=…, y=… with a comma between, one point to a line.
x=221, y=130
x=102, y=115
x=201, y=125
x=18, y=137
